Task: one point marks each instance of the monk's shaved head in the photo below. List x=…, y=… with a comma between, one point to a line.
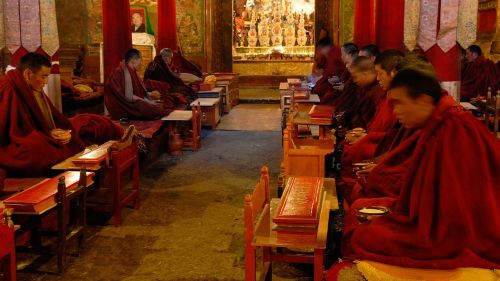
x=388, y=60
x=166, y=52
x=33, y=61
x=362, y=64
x=417, y=63
x=417, y=83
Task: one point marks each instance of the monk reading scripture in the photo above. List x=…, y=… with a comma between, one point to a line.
x=478, y=74
x=127, y=97
x=34, y=135
x=446, y=214
x=159, y=70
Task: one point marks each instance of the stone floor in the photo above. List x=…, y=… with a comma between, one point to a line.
x=252, y=117
x=259, y=93
x=190, y=224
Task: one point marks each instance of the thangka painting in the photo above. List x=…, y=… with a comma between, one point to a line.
x=191, y=26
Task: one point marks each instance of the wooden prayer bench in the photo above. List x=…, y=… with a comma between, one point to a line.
x=113, y=194
x=191, y=138
x=7, y=246
x=259, y=210
x=54, y=196
x=230, y=81
x=304, y=157
x=210, y=108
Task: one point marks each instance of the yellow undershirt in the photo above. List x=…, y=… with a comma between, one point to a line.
x=45, y=109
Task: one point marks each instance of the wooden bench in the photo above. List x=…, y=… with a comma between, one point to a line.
x=259, y=209
x=192, y=139
x=210, y=108
x=7, y=246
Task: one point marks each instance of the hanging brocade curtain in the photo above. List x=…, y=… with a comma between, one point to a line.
x=428, y=24
x=50, y=34
x=447, y=36
x=467, y=22
x=12, y=25
x=29, y=11
x=411, y=23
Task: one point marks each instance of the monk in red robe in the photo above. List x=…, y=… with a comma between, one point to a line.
x=181, y=64
x=159, y=70
x=361, y=145
x=335, y=94
x=127, y=97
x=478, y=75
x=371, y=51
x=445, y=216
x=34, y=135
x=334, y=66
x=369, y=94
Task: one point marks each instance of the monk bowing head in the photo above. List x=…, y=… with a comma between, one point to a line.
x=35, y=69
x=167, y=55
x=473, y=52
x=133, y=59
x=414, y=95
x=385, y=67
x=324, y=45
x=363, y=72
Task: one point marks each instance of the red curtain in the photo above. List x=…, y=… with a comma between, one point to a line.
x=117, y=35
x=167, y=26
x=364, y=22
x=447, y=65
x=390, y=24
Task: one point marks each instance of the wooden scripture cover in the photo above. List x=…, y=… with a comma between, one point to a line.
x=321, y=112
x=299, y=204
x=95, y=156
x=41, y=196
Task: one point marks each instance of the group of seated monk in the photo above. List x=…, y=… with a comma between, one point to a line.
x=161, y=92
x=478, y=74
x=423, y=156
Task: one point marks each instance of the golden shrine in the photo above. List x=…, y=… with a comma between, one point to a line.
x=273, y=37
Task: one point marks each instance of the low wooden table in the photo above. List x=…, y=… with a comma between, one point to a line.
x=302, y=118
x=267, y=238
x=210, y=108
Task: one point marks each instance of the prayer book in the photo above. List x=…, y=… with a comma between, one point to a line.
x=42, y=196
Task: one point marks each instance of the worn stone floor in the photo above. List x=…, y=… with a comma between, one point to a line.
x=190, y=224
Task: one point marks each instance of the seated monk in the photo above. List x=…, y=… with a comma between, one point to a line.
x=34, y=134
x=371, y=51
x=334, y=94
x=127, y=97
x=334, y=66
x=478, y=75
x=159, y=70
x=361, y=146
x=369, y=94
x=446, y=214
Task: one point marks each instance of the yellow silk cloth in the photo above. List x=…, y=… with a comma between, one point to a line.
x=41, y=100
x=374, y=271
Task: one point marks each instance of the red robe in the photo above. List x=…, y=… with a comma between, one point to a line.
x=26, y=146
x=377, y=129
x=334, y=67
x=331, y=95
x=119, y=107
x=158, y=70
x=447, y=213
x=181, y=64
x=477, y=76
x=92, y=128
x=368, y=100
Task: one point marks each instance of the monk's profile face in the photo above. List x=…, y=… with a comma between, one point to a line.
x=383, y=77
x=37, y=79
x=168, y=58
x=411, y=112
x=325, y=50
x=135, y=63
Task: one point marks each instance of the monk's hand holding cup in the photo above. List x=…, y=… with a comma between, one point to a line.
x=63, y=136
x=364, y=170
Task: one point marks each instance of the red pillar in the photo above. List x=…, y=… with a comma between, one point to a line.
x=167, y=26
x=117, y=35
x=364, y=22
x=390, y=24
x=447, y=66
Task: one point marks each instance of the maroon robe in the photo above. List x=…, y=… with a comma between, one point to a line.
x=118, y=105
x=447, y=213
x=158, y=70
x=26, y=146
x=368, y=99
x=477, y=76
x=95, y=129
x=331, y=95
x=334, y=67
x=181, y=64
x=377, y=129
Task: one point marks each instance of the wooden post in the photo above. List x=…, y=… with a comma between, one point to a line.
x=61, y=224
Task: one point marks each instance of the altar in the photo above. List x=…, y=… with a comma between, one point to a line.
x=273, y=37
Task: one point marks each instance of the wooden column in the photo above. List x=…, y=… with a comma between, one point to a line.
x=167, y=25
x=390, y=24
x=117, y=35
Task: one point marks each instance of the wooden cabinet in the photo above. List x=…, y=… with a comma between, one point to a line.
x=148, y=53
